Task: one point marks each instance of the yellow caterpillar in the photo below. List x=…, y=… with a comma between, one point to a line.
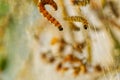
x=80, y=2
x=77, y=19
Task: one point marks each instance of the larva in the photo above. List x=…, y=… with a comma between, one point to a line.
x=80, y=2
x=47, y=14
x=77, y=19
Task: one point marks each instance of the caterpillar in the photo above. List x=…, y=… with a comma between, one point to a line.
x=81, y=2
x=47, y=14
x=77, y=19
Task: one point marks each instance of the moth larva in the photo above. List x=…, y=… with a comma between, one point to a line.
x=47, y=14
x=77, y=19
x=80, y=2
